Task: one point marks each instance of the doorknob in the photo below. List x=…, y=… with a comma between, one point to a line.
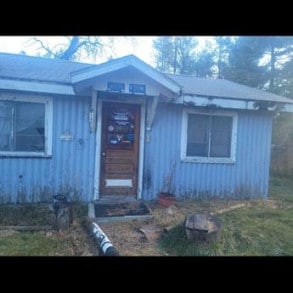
x=103, y=154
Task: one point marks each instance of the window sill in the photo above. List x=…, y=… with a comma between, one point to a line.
x=24, y=155
x=208, y=160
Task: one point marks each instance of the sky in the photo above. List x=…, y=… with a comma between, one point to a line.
x=139, y=46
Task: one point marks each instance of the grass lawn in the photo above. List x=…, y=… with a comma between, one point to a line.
x=72, y=242
x=260, y=228
x=263, y=228
x=34, y=244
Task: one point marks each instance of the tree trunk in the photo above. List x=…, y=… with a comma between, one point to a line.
x=71, y=50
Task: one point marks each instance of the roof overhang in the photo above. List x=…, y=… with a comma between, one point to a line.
x=124, y=62
x=232, y=103
x=36, y=86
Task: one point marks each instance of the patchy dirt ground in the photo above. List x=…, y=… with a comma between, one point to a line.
x=140, y=237
x=130, y=238
x=81, y=243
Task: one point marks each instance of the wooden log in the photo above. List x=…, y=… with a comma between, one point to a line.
x=234, y=207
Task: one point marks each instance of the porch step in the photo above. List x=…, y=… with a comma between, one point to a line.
x=113, y=199
x=107, y=211
x=122, y=219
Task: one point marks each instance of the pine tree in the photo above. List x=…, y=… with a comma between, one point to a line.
x=243, y=62
x=180, y=55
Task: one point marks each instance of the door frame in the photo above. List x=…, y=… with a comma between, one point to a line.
x=140, y=101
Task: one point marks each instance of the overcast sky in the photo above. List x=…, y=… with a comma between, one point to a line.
x=139, y=46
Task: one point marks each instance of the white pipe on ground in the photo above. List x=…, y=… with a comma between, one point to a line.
x=104, y=242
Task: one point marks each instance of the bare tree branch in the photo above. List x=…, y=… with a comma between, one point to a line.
x=45, y=47
x=75, y=48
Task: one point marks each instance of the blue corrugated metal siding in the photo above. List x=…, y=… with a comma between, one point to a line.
x=247, y=177
x=70, y=170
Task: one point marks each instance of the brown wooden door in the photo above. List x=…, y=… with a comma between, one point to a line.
x=120, y=148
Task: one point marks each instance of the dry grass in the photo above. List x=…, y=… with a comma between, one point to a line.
x=130, y=241
x=73, y=242
x=250, y=227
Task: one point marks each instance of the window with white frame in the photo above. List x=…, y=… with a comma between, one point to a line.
x=209, y=137
x=25, y=126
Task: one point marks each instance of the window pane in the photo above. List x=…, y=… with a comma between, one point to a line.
x=197, y=135
x=30, y=127
x=6, y=116
x=221, y=129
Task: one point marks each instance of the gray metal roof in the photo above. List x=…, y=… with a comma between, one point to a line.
x=23, y=67
x=223, y=88
x=36, y=68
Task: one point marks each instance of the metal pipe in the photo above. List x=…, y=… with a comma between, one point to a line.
x=105, y=244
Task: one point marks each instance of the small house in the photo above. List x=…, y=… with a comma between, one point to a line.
x=123, y=130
